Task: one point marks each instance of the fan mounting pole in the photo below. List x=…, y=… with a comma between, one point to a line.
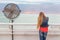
x=12, y=29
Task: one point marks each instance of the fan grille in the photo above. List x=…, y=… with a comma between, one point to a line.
x=11, y=11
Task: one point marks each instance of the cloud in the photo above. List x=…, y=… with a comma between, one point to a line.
x=17, y=2
x=29, y=1
x=33, y=0
x=24, y=2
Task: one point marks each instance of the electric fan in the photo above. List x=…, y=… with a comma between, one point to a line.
x=11, y=11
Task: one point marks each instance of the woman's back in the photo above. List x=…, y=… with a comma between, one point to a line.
x=44, y=22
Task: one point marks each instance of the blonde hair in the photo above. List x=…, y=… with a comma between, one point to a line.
x=40, y=18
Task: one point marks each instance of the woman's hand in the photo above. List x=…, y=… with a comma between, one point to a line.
x=37, y=27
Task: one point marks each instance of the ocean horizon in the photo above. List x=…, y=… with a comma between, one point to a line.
x=31, y=18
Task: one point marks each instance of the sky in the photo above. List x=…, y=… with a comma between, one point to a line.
x=52, y=6
x=28, y=1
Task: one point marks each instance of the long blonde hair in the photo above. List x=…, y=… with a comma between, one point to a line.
x=40, y=17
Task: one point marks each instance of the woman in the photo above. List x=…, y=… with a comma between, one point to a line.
x=42, y=25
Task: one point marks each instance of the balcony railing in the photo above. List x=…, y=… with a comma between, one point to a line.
x=26, y=29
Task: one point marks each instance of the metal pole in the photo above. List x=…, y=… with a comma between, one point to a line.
x=12, y=30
